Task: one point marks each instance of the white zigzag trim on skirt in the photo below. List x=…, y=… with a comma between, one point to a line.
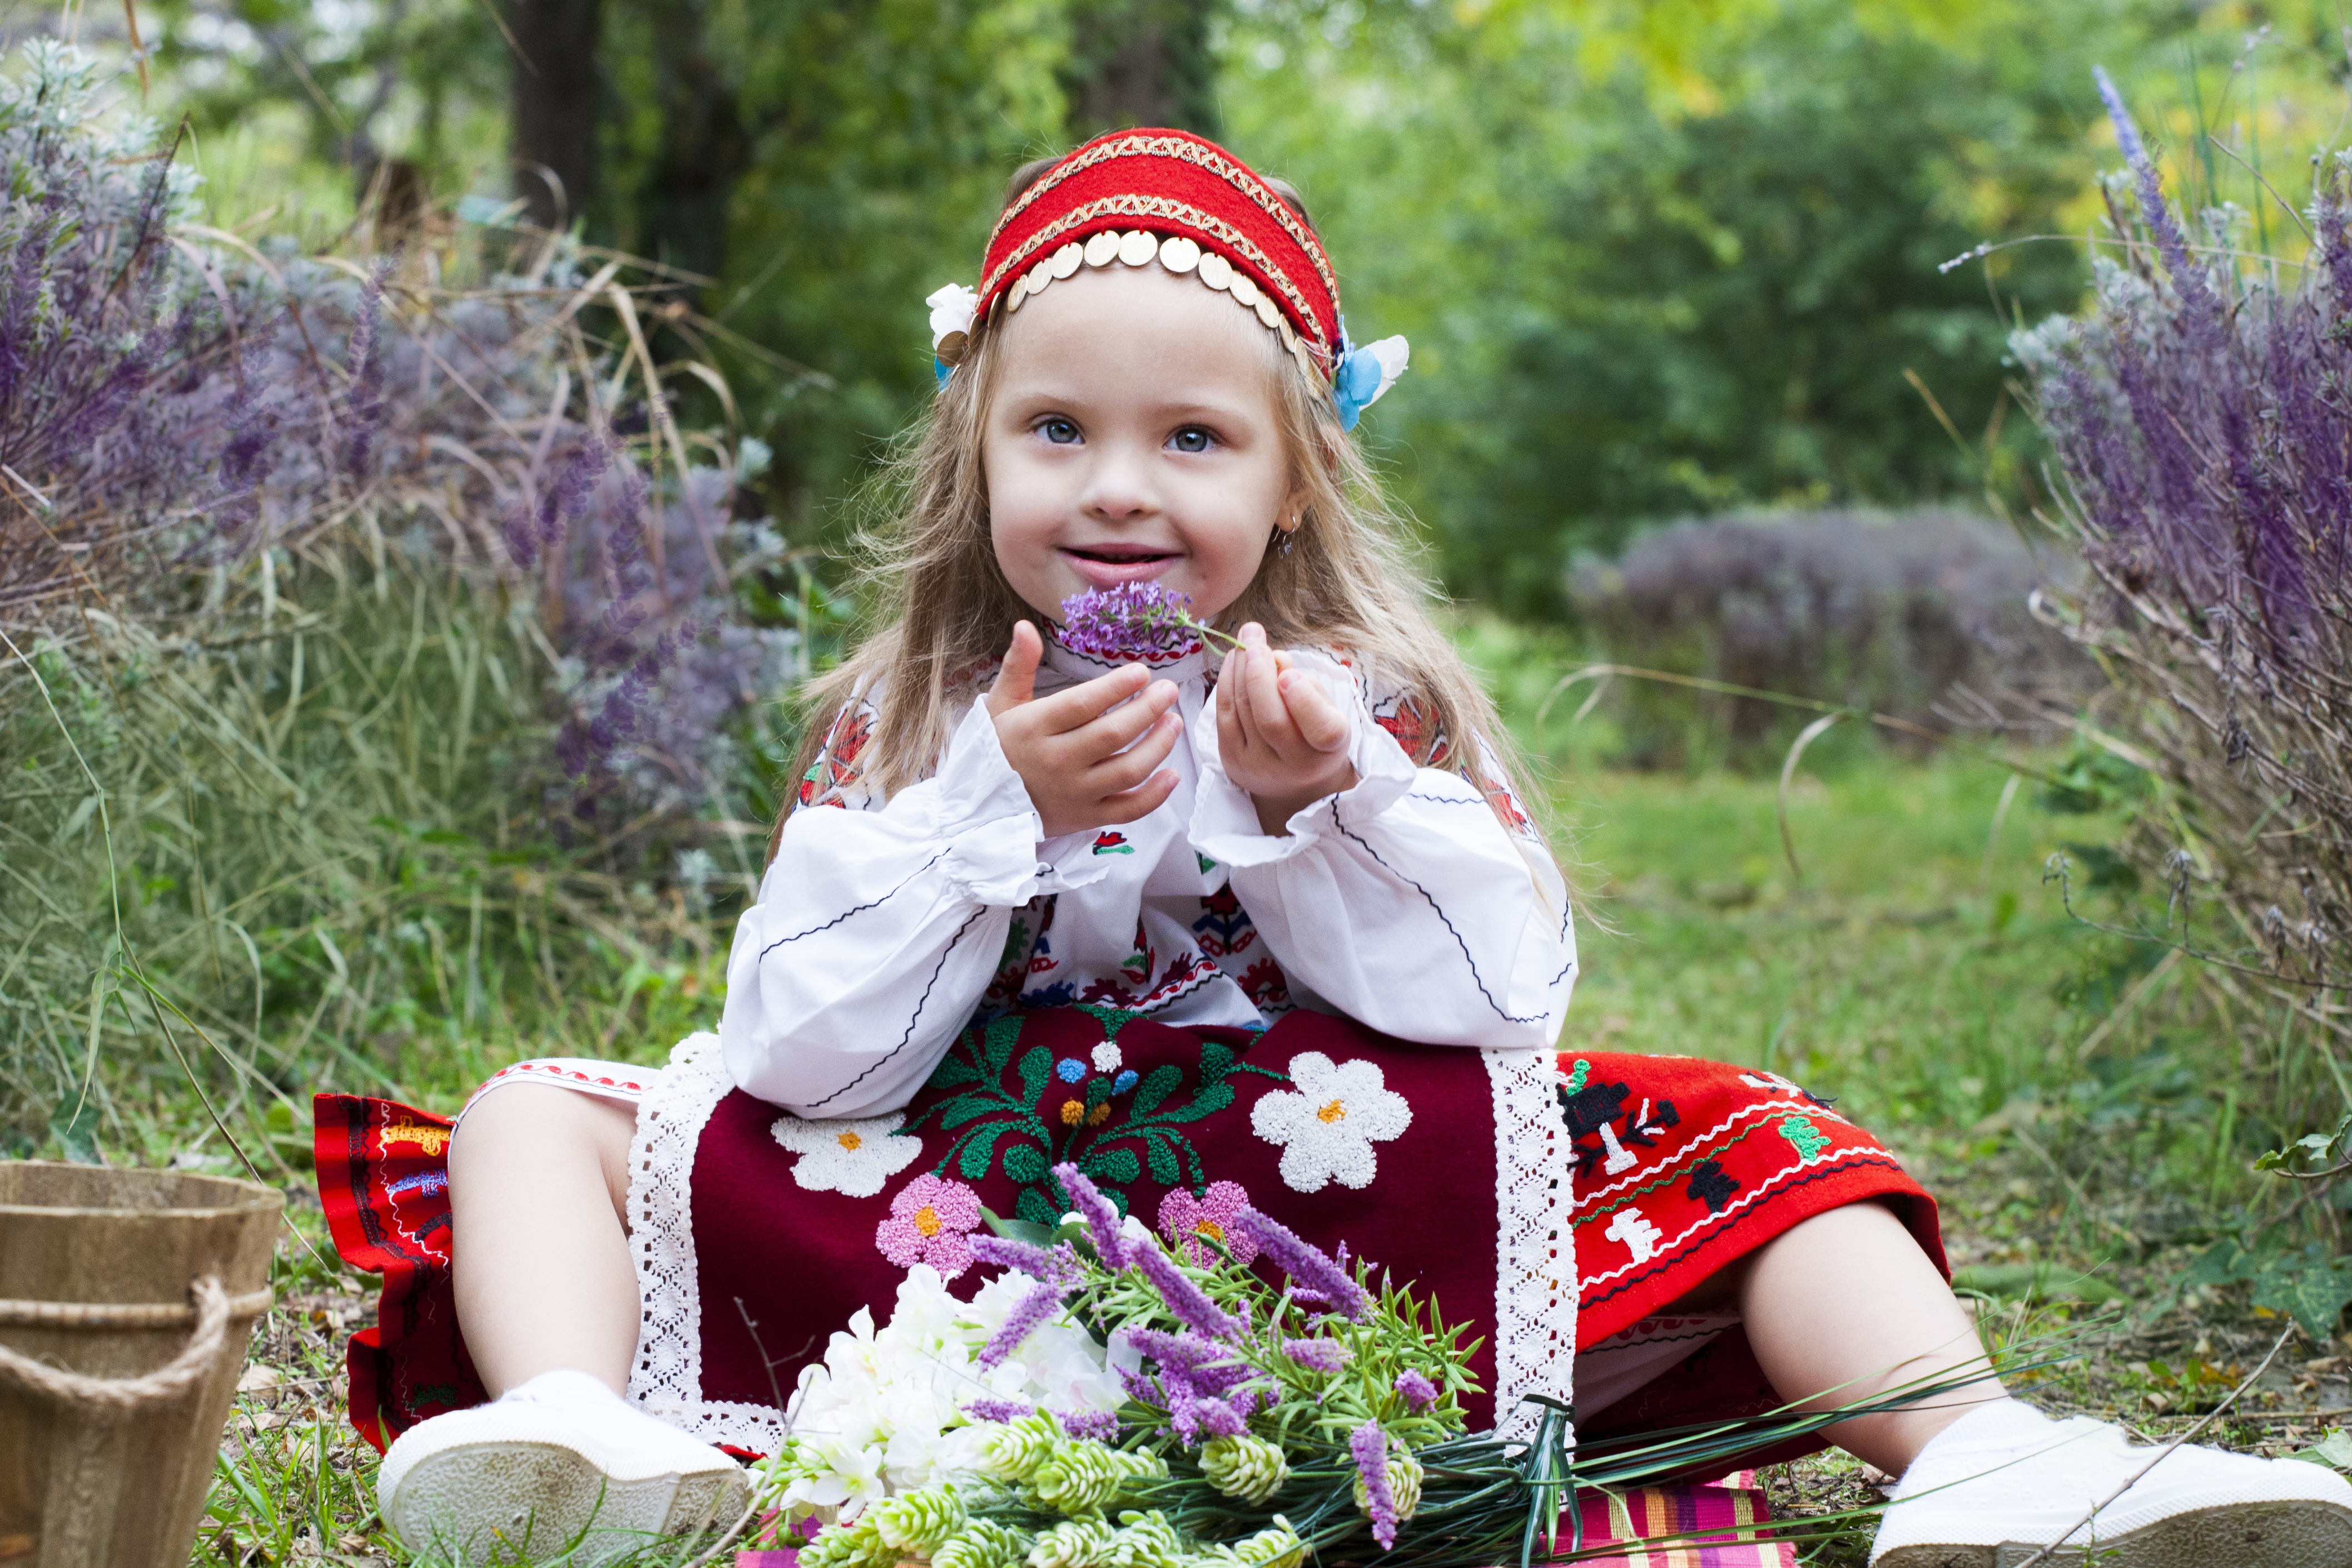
x=1535, y=1250
x=666, y=1377
x=1860, y=1151
x=1745, y=1113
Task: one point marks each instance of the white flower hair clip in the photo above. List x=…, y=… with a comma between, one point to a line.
x=952, y=305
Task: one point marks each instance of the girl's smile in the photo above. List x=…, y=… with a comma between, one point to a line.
x=1132, y=438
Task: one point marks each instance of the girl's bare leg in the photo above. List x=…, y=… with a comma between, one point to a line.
x=1844, y=1306
x=539, y=1190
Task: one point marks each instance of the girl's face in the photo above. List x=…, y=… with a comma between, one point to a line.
x=1133, y=438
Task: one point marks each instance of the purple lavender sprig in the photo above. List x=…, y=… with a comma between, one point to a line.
x=1370, y=1445
x=1317, y=1355
x=1099, y=1212
x=1092, y=1426
x=1187, y=1300
x=1311, y=1268
x=1420, y=1393
x=1002, y=1411
x=1026, y=1318
x=1134, y=618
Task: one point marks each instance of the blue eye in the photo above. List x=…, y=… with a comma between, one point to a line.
x=1192, y=438
x=1060, y=432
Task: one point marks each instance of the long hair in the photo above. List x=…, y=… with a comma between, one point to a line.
x=929, y=564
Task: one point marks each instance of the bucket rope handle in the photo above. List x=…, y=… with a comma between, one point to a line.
x=213, y=1308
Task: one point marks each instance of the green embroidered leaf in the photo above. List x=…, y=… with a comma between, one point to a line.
x=1098, y=1090
x=951, y=1071
x=1003, y=1033
x=1157, y=1086
x=1112, y=1019
x=2309, y=1285
x=1163, y=1159
x=966, y=1108
x=1118, y=1164
x=980, y=1152
x=1037, y=1067
x=1207, y=1102
x=1026, y=1162
x=1035, y=1207
x=1216, y=1061
x=1017, y=1229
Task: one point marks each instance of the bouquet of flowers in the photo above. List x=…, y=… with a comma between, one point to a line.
x=1102, y=1403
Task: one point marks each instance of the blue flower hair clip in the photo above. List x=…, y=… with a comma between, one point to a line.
x=1365, y=373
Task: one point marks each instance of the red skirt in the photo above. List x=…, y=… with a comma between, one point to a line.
x=1557, y=1207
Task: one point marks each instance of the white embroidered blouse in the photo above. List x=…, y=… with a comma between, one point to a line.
x=882, y=928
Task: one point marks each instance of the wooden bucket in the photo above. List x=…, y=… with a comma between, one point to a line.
x=126, y=1300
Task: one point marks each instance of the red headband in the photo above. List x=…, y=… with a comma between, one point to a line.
x=1168, y=186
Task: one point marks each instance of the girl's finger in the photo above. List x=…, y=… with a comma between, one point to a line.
x=1081, y=705
x=1233, y=689
x=1140, y=802
x=1107, y=734
x=1320, y=720
x=1267, y=707
x=1016, y=679
x=1231, y=741
x=1133, y=765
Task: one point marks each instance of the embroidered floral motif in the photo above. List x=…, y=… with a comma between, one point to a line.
x=425, y=1140
x=1410, y=722
x=1327, y=1128
x=1194, y=1221
x=1711, y=1184
x=1028, y=951
x=837, y=769
x=930, y=1221
x=1808, y=1139
x=1224, y=927
x=1108, y=1057
x=1113, y=844
x=854, y=1158
x=1266, y=986
x=1010, y=1110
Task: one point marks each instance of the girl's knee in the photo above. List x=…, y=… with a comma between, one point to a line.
x=537, y=1130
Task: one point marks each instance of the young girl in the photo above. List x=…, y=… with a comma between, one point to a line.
x=1251, y=918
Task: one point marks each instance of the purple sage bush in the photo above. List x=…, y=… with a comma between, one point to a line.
x=377, y=684
x=1922, y=615
x=2201, y=413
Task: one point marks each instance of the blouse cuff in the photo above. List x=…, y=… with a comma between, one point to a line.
x=996, y=854
x=1224, y=817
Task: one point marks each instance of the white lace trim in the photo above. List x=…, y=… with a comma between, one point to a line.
x=666, y=1376
x=1534, y=1251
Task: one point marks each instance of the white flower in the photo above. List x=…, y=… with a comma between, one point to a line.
x=1328, y=1127
x=1107, y=1058
x=1394, y=354
x=952, y=311
x=857, y=1158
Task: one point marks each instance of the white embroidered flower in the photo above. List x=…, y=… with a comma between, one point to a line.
x=951, y=310
x=857, y=1158
x=1327, y=1128
x=1107, y=1058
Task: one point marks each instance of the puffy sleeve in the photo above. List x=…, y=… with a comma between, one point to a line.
x=878, y=927
x=1403, y=901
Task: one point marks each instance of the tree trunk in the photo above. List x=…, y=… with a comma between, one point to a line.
x=705, y=149
x=1142, y=62
x=553, y=139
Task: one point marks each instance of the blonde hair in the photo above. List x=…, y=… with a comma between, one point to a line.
x=1344, y=584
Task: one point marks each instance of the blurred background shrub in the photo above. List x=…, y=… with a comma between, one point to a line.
x=1919, y=614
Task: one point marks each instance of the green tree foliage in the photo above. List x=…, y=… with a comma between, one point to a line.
x=1693, y=276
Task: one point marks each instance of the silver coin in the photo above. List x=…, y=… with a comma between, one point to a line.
x=1136, y=247
x=1215, y=270
x=1101, y=247
x=1066, y=259
x=1178, y=253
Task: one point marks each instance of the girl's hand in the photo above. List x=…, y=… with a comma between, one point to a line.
x=1279, y=734
x=1086, y=766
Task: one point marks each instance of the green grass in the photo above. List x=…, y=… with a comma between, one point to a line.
x=2077, y=1123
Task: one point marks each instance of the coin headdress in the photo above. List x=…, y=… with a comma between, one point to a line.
x=1134, y=197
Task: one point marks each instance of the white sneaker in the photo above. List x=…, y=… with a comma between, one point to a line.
x=2004, y=1481
x=561, y=1465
